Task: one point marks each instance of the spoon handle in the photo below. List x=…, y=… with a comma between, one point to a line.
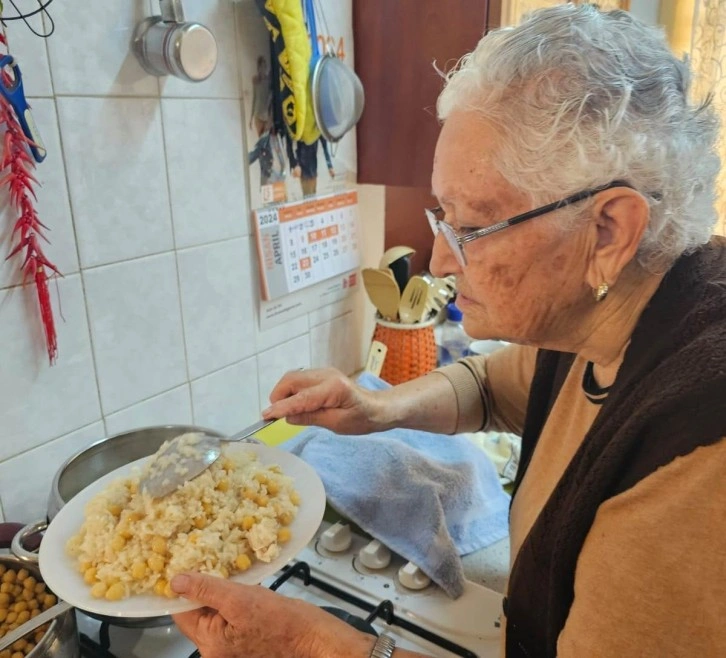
x=249, y=431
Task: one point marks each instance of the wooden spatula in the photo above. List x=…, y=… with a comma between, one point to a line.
x=383, y=292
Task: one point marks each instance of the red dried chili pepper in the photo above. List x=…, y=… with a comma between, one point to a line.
x=28, y=227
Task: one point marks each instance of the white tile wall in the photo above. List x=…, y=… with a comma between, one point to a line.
x=217, y=301
x=171, y=408
x=38, y=403
x=227, y=400
x=208, y=198
x=135, y=319
x=144, y=190
x=114, y=157
x=25, y=480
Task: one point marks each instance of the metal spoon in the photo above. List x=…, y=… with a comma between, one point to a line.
x=37, y=621
x=179, y=462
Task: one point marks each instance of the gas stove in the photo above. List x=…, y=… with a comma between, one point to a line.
x=357, y=579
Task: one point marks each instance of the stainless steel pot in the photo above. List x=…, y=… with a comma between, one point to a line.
x=101, y=458
x=61, y=638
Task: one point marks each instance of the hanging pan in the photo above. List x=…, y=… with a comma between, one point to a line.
x=337, y=92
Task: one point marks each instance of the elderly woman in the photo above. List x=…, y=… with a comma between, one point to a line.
x=576, y=186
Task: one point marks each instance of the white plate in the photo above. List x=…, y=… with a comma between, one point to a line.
x=60, y=574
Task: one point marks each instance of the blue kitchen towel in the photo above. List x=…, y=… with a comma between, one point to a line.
x=429, y=497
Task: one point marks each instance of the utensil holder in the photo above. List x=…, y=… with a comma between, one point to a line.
x=411, y=350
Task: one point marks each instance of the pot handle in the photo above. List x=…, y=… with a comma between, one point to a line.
x=7, y=532
x=22, y=539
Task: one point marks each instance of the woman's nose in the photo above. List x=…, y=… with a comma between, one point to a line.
x=443, y=262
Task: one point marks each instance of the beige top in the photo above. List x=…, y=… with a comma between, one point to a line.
x=651, y=577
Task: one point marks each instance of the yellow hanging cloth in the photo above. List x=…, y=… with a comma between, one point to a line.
x=284, y=19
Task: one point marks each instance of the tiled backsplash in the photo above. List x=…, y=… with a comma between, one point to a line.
x=145, y=190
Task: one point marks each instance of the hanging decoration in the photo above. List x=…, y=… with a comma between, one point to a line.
x=21, y=148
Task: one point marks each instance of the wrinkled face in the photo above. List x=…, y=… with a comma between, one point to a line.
x=526, y=283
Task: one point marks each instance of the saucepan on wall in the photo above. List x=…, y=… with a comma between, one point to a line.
x=169, y=45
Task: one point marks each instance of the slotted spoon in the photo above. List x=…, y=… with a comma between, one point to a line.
x=414, y=300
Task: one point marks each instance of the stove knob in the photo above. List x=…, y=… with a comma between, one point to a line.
x=412, y=577
x=375, y=555
x=336, y=538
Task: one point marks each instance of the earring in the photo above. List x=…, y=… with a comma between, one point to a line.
x=601, y=292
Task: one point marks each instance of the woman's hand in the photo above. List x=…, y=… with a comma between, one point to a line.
x=326, y=398
x=251, y=621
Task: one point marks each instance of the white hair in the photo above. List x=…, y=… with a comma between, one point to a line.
x=585, y=97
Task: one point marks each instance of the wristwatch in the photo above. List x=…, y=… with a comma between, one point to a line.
x=384, y=646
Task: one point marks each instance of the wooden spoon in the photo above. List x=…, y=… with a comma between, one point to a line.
x=383, y=291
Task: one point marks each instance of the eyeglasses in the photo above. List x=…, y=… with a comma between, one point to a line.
x=457, y=242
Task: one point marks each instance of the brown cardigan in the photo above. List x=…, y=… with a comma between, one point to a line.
x=667, y=400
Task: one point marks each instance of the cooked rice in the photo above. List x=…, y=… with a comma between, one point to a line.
x=130, y=543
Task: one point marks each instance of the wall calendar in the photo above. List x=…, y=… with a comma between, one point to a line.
x=303, y=243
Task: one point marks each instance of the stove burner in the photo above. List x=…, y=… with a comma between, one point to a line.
x=356, y=622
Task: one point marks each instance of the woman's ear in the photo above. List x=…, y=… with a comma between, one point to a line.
x=621, y=216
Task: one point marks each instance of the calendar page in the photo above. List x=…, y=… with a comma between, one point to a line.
x=301, y=244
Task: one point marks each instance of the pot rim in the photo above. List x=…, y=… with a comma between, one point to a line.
x=54, y=487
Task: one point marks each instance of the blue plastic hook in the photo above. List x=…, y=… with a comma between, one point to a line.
x=15, y=95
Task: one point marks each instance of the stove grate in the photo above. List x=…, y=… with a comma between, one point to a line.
x=384, y=610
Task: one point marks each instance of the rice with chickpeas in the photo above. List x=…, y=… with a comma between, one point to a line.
x=220, y=522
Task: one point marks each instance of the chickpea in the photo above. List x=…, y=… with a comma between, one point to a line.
x=6, y=588
x=89, y=577
x=48, y=601
x=200, y=523
x=4, y=599
x=262, y=500
x=98, y=591
x=158, y=545
x=116, y=592
x=283, y=535
x=273, y=488
x=39, y=588
x=115, y=510
x=156, y=563
x=295, y=498
x=33, y=604
x=9, y=576
x=285, y=518
x=169, y=593
x=28, y=595
x=138, y=570
x=17, y=654
x=11, y=617
x=35, y=611
x=5, y=653
x=248, y=522
x=249, y=494
x=19, y=645
x=23, y=616
x=29, y=647
x=20, y=606
x=160, y=586
x=23, y=574
x=223, y=486
x=29, y=582
x=243, y=562
x=3, y=614
x=118, y=542
x=3, y=569
x=261, y=478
